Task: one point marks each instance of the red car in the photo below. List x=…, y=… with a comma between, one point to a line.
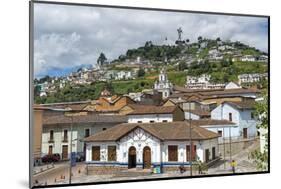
x=51, y=158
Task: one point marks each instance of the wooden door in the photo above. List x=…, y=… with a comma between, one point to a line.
x=132, y=159
x=207, y=154
x=96, y=153
x=65, y=152
x=50, y=150
x=146, y=158
x=245, y=132
x=214, y=153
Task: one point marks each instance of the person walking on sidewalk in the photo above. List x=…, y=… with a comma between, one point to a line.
x=200, y=166
x=233, y=164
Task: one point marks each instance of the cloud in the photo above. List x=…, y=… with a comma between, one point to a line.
x=56, y=50
x=68, y=36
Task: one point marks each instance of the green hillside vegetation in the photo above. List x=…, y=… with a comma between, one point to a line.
x=226, y=71
x=176, y=67
x=91, y=92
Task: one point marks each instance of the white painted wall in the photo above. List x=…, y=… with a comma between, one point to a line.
x=241, y=117
x=227, y=130
x=140, y=139
x=188, y=115
x=150, y=117
x=78, y=133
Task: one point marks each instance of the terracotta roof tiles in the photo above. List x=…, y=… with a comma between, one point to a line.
x=163, y=131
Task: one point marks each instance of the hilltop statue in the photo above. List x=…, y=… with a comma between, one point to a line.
x=179, y=33
x=179, y=41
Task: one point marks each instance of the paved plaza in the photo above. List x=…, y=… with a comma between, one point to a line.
x=59, y=173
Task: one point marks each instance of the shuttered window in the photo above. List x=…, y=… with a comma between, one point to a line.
x=96, y=153
x=87, y=132
x=111, y=153
x=172, y=153
x=193, y=153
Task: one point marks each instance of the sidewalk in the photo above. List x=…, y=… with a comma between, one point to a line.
x=42, y=168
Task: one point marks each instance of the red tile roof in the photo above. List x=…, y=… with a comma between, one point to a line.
x=163, y=131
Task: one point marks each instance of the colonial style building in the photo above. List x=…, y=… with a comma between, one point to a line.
x=145, y=145
x=163, y=85
x=151, y=114
x=202, y=82
x=223, y=128
x=56, y=134
x=197, y=114
x=109, y=103
x=252, y=78
x=216, y=95
x=240, y=113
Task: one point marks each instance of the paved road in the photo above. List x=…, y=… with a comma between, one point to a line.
x=59, y=174
x=243, y=162
x=243, y=165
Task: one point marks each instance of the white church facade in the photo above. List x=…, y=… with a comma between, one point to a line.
x=147, y=145
x=163, y=85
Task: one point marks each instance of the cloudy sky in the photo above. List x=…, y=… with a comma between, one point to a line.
x=67, y=37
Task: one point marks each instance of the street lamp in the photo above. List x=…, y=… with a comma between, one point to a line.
x=71, y=114
x=190, y=140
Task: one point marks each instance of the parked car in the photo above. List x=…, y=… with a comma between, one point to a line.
x=51, y=158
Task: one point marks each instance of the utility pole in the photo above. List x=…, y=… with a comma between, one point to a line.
x=224, y=149
x=230, y=144
x=190, y=140
x=70, y=159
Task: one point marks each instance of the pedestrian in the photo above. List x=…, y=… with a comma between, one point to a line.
x=182, y=169
x=200, y=167
x=233, y=164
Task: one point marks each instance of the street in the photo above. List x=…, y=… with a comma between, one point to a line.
x=60, y=173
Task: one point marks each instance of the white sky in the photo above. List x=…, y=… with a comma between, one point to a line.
x=69, y=36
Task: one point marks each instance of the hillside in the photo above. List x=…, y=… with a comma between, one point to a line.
x=222, y=60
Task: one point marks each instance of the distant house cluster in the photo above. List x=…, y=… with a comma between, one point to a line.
x=203, y=82
x=252, y=78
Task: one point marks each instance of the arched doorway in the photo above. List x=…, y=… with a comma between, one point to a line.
x=132, y=157
x=146, y=158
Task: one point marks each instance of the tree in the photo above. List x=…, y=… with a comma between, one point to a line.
x=148, y=45
x=101, y=60
x=261, y=157
x=182, y=66
x=187, y=40
x=141, y=72
x=199, y=39
x=37, y=90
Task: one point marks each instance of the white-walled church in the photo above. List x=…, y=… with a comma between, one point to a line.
x=145, y=145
